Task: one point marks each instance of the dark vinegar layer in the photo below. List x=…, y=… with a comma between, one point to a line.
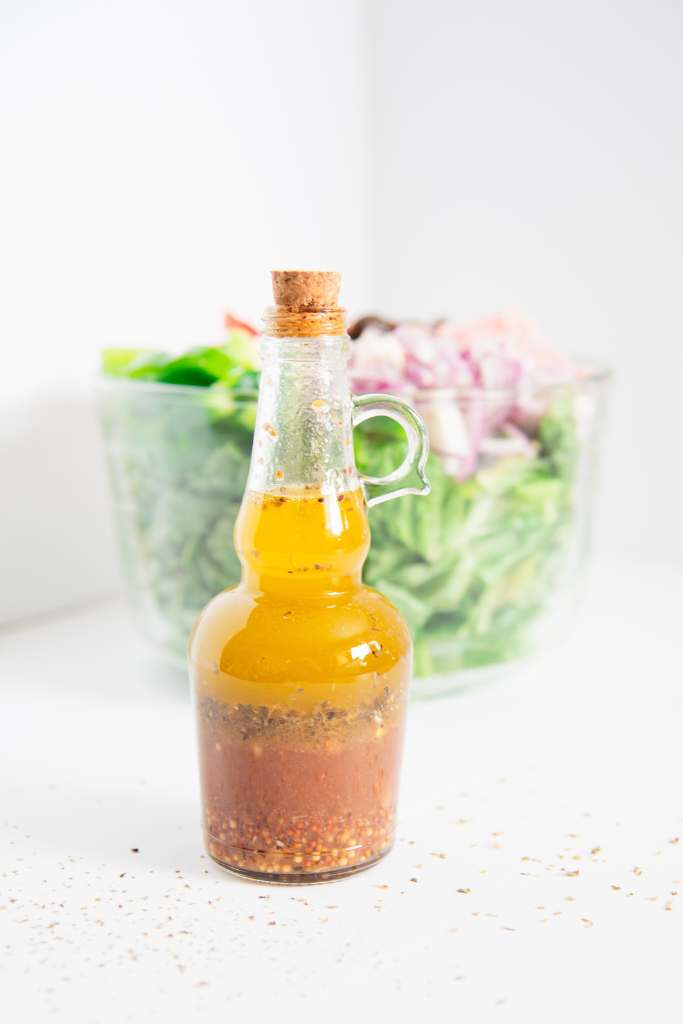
x=292, y=794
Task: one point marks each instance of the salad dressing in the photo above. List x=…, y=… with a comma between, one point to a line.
x=300, y=672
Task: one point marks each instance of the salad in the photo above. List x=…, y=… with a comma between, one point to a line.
x=474, y=567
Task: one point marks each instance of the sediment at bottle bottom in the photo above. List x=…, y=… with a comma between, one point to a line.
x=284, y=810
x=271, y=864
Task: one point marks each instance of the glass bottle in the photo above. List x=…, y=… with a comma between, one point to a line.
x=301, y=673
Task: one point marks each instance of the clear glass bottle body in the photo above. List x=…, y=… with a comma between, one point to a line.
x=300, y=672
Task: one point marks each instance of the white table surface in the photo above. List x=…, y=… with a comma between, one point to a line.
x=536, y=878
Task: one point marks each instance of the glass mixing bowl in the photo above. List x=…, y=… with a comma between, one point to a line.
x=485, y=570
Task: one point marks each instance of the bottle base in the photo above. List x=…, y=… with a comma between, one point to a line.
x=302, y=855
x=298, y=877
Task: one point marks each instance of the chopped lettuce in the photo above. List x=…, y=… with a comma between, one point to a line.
x=472, y=567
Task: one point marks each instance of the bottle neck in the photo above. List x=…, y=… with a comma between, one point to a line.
x=303, y=435
x=302, y=531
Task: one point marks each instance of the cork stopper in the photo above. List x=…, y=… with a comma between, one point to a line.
x=306, y=304
x=306, y=289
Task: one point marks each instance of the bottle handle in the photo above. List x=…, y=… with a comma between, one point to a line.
x=367, y=406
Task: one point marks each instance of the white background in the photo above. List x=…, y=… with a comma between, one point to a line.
x=449, y=157
x=530, y=156
x=158, y=159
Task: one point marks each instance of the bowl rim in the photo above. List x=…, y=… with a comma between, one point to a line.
x=590, y=371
